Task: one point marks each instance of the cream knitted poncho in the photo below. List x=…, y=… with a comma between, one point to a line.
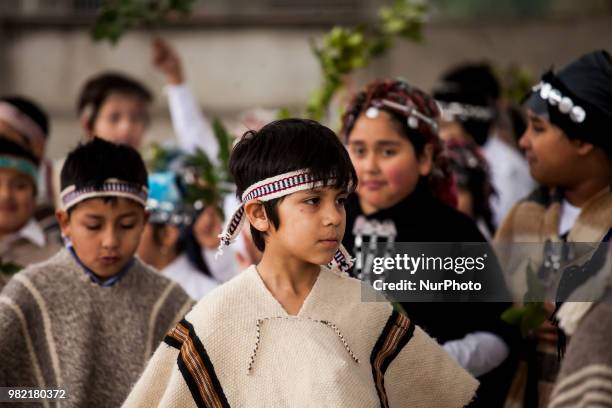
x=59, y=329
x=238, y=347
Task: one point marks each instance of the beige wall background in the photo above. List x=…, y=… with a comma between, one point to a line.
x=231, y=70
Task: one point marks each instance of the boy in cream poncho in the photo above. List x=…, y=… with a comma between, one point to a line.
x=289, y=332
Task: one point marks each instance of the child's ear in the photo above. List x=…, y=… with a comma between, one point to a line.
x=426, y=160
x=84, y=122
x=583, y=148
x=256, y=213
x=63, y=219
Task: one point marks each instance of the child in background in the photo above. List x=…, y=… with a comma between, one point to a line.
x=406, y=194
x=289, y=331
x=569, y=153
x=115, y=108
x=169, y=243
x=88, y=319
x=22, y=240
x=474, y=187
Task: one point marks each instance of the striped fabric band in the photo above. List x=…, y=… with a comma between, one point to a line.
x=19, y=164
x=71, y=196
x=196, y=367
x=396, y=334
x=269, y=189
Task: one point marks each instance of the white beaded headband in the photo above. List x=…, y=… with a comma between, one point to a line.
x=565, y=104
x=413, y=114
x=71, y=196
x=269, y=189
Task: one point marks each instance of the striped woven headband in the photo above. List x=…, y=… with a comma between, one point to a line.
x=269, y=189
x=71, y=196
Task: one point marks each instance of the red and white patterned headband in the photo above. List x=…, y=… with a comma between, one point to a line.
x=71, y=196
x=269, y=189
x=23, y=124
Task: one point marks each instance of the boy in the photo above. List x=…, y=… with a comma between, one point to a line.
x=88, y=319
x=569, y=153
x=115, y=108
x=22, y=240
x=290, y=332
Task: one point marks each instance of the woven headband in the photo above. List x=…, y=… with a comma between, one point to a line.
x=71, y=196
x=269, y=189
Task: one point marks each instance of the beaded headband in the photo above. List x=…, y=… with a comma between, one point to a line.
x=454, y=110
x=412, y=113
x=71, y=196
x=557, y=97
x=269, y=189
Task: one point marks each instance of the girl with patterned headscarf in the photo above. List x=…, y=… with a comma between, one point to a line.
x=406, y=193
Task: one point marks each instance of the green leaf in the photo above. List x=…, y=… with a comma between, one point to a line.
x=513, y=315
x=116, y=17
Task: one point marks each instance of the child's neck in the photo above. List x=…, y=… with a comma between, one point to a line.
x=579, y=194
x=289, y=280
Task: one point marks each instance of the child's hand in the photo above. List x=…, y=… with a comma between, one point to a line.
x=167, y=61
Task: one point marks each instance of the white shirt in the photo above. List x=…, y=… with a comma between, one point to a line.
x=194, y=282
x=569, y=215
x=192, y=129
x=509, y=176
x=30, y=232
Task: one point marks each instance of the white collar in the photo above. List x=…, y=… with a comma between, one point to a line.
x=33, y=233
x=569, y=215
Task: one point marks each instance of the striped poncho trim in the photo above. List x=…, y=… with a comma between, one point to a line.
x=396, y=334
x=196, y=367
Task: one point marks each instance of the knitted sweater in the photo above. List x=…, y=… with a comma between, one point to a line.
x=238, y=347
x=59, y=329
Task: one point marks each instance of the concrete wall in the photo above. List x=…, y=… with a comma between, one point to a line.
x=234, y=70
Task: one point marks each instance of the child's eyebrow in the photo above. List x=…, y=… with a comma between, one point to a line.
x=128, y=214
x=387, y=143
x=97, y=217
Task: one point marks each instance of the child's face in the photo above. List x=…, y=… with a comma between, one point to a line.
x=122, y=119
x=550, y=153
x=453, y=131
x=311, y=226
x=17, y=200
x=387, y=166
x=104, y=235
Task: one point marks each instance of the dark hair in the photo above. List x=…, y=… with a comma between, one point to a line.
x=440, y=181
x=94, y=162
x=289, y=145
x=32, y=110
x=475, y=77
x=97, y=89
x=10, y=148
x=471, y=84
x=472, y=174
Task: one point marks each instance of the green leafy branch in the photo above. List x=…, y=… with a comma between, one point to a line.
x=344, y=50
x=533, y=313
x=116, y=17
